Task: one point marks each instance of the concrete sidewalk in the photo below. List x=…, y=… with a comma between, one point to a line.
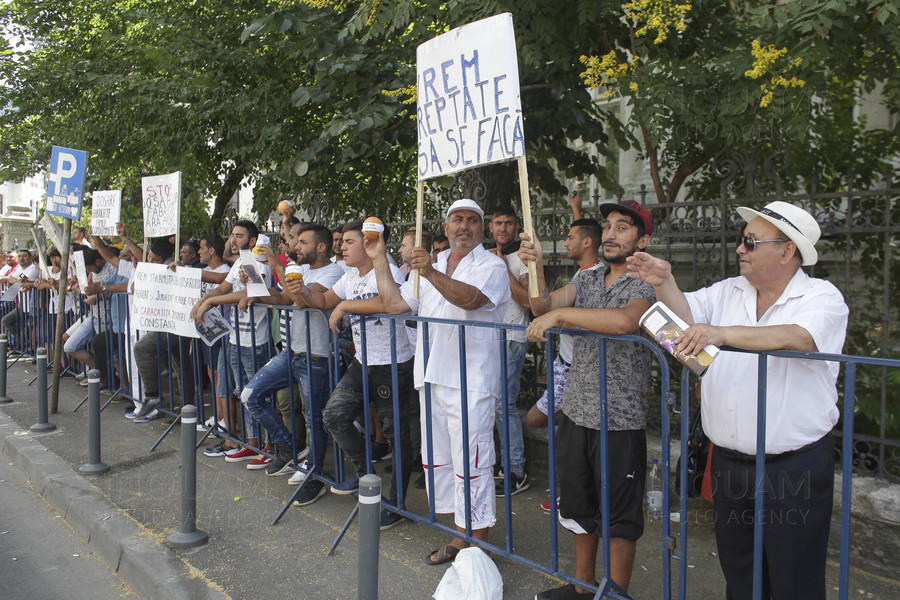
x=125, y=515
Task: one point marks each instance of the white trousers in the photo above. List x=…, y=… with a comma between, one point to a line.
x=447, y=445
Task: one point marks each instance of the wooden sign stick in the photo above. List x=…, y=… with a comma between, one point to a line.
x=420, y=209
x=526, y=223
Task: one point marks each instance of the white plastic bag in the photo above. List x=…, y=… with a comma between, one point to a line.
x=473, y=576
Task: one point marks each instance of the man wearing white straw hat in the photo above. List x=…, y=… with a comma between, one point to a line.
x=772, y=305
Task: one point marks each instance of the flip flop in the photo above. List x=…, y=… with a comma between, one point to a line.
x=444, y=554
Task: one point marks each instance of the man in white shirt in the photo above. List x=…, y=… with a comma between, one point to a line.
x=505, y=228
x=26, y=272
x=772, y=305
x=350, y=292
x=468, y=283
x=297, y=363
x=248, y=349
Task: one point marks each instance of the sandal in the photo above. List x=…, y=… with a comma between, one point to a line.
x=443, y=555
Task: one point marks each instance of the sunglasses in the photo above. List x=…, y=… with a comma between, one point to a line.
x=750, y=242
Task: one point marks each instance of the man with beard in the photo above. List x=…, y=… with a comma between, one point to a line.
x=297, y=363
x=606, y=301
x=468, y=283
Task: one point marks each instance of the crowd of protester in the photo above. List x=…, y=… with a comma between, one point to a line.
x=278, y=394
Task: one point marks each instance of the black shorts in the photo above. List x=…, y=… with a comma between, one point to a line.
x=578, y=458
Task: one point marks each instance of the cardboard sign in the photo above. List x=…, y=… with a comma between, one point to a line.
x=51, y=228
x=80, y=270
x=468, y=107
x=106, y=211
x=163, y=299
x=162, y=204
x=65, y=187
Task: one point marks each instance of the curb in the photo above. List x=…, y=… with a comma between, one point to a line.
x=153, y=571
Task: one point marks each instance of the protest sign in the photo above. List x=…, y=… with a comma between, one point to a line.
x=51, y=227
x=256, y=283
x=162, y=204
x=106, y=211
x=468, y=107
x=80, y=270
x=40, y=247
x=163, y=299
x=65, y=187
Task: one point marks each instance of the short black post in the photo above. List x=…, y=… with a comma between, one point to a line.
x=188, y=536
x=4, y=346
x=94, y=466
x=43, y=425
x=369, y=533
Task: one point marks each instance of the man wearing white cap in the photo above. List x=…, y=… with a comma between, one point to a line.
x=772, y=305
x=467, y=283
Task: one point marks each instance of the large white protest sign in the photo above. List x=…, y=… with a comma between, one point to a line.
x=65, y=182
x=80, y=269
x=162, y=204
x=106, y=211
x=163, y=299
x=468, y=107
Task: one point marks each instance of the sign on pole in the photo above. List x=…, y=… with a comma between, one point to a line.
x=163, y=299
x=51, y=228
x=162, y=204
x=65, y=187
x=106, y=211
x=468, y=107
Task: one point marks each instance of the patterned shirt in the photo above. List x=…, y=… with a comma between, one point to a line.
x=627, y=365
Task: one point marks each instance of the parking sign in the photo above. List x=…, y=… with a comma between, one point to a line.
x=65, y=189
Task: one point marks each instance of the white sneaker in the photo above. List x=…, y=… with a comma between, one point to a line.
x=300, y=475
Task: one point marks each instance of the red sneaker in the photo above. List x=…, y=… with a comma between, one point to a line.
x=241, y=455
x=260, y=462
x=545, y=505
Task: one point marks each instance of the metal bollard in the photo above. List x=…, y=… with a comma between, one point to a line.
x=43, y=425
x=94, y=466
x=369, y=533
x=4, y=346
x=188, y=536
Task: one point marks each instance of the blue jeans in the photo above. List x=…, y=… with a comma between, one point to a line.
x=515, y=360
x=244, y=363
x=312, y=375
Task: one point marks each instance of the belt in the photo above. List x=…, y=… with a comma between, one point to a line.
x=740, y=456
x=310, y=357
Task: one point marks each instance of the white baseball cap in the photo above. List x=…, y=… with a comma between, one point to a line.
x=465, y=204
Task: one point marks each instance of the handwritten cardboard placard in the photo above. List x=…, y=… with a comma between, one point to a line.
x=106, y=211
x=468, y=107
x=163, y=299
x=162, y=204
x=80, y=269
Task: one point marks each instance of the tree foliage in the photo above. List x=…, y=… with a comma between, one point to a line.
x=301, y=96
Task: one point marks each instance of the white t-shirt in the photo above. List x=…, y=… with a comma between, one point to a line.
x=319, y=333
x=487, y=273
x=515, y=313
x=206, y=286
x=352, y=286
x=801, y=395
x=260, y=314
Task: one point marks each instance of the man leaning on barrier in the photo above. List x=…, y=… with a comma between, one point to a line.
x=772, y=305
x=468, y=283
x=606, y=301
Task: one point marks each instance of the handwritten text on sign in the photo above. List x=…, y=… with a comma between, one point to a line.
x=106, y=211
x=163, y=299
x=162, y=204
x=468, y=107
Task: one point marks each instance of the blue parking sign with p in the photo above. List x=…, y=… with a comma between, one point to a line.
x=65, y=190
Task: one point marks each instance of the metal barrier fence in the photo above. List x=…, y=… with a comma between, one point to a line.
x=120, y=349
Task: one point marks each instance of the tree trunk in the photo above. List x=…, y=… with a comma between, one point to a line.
x=231, y=185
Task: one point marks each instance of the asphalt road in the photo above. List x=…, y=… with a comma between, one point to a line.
x=41, y=556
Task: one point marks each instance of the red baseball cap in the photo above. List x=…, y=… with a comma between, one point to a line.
x=632, y=209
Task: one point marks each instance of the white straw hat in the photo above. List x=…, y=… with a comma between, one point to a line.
x=798, y=225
